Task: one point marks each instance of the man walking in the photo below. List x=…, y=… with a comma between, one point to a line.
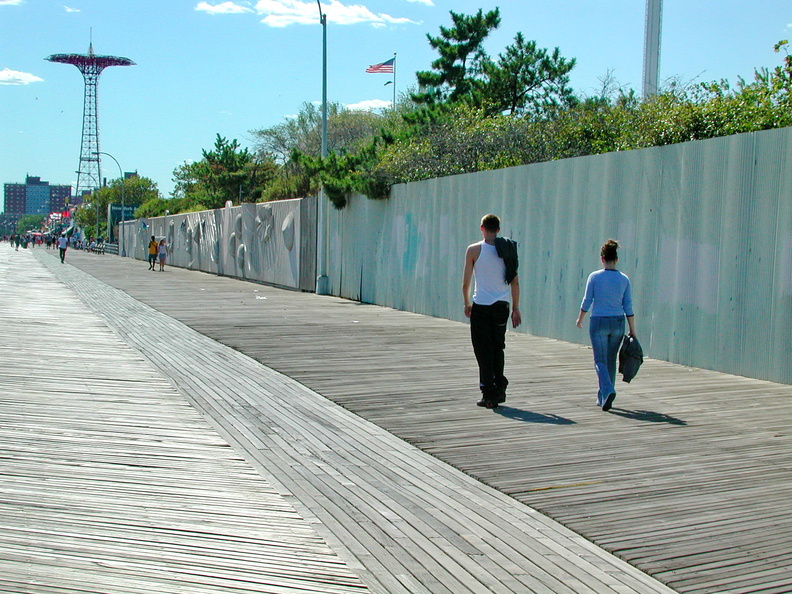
x=493, y=262
x=152, y=247
x=63, y=243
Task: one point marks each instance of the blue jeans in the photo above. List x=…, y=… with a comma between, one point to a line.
x=606, y=334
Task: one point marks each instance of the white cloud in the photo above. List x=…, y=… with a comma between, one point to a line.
x=222, y=8
x=427, y=2
x=12, y=77
x=70, y=9
x=369, y=105
x=282, y=13
x=11, y=2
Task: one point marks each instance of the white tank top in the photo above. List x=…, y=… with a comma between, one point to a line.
x=490, y=271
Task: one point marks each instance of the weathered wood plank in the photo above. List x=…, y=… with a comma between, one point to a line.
x=679, y=478
x=414, y=524
x=112, y=482
x=687, y=458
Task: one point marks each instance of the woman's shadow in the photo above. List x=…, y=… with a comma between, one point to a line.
x=647, y=416
x=527, y=416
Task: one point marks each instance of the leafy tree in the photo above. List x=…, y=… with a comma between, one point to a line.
x=290, y=181
x=347, y=130
x=92, y=214
x=136, y=190
x=526, y=79
x=224, y=172
x=189, y=187
x=158, y=207
x=455, y=72
x=474, y=113
x=30, y=222
x=154, y=207
x=342, y=174
x=227, y=172
x=302, y=132
x=463, y=140
x=352, y=139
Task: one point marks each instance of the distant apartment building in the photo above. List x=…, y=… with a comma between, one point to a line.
x=35, y=197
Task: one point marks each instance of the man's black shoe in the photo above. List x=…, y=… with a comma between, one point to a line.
x=487, y=403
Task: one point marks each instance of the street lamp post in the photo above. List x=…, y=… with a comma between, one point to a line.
x=96, y=204
x=123, y=202
x=322, y=281
x=323, y=21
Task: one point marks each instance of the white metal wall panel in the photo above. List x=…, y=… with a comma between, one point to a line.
x=259, y=242
x=774, y=179
x=705, y=227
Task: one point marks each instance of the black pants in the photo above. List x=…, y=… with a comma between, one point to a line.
x=62, y=254
x=488, y=331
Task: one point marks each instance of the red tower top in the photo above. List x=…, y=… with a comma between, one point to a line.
x=90, y=60
x=89, y=176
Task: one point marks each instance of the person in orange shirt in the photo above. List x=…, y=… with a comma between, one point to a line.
x=152, y=247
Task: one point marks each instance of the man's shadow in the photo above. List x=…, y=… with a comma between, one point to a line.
x=527, y=416
x=647, y=416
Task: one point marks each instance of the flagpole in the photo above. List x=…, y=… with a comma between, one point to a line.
x=394, y=81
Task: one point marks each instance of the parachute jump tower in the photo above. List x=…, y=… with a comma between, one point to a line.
x=89, y=175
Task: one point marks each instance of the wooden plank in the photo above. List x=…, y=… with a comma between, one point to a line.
x=342, y=470
x=693, y=457
x=682, y=449
x=111, y=480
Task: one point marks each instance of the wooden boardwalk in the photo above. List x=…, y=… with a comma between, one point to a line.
x=688, y=478
x=111, y=482
x=403, y=521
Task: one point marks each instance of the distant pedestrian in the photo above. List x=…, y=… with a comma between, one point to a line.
x=153, y=246
x=493, y=262
x=609, y=298
x=63, y=243
x=162, y=251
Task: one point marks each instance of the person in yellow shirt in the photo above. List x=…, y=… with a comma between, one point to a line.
x=152, y=247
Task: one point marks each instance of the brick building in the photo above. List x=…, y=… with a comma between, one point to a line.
x=35, y=197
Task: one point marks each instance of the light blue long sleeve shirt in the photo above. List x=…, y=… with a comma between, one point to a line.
x=609, y=292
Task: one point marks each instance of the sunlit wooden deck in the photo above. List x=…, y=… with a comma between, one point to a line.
x=111, y=482
x=688, y=478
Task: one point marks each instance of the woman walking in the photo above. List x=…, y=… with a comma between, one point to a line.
x=162, y=250
x=609, y=298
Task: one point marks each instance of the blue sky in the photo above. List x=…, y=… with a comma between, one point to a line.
x=209, y=67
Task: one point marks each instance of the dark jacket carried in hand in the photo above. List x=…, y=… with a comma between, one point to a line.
x=630, y=358
x=507, y=250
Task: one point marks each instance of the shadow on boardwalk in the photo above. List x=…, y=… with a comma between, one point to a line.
x=527, y=416
x=688, y=478
x=647, y=416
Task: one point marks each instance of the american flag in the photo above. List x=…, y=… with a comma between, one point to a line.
x=384, y=68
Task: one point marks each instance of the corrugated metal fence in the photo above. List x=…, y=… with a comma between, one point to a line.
x=272, y=242
x=706, y=230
